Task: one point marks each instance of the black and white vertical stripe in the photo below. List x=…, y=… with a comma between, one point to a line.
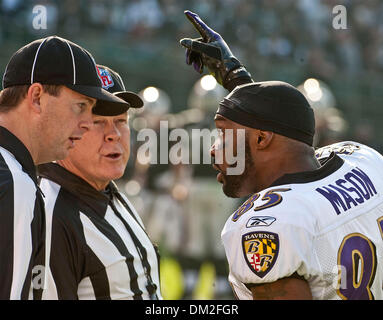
x=21, y=221
x=97, y=249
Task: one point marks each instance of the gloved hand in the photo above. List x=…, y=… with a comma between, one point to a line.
x=212, y=51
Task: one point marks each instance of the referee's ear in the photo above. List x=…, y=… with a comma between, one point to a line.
x=34, y=95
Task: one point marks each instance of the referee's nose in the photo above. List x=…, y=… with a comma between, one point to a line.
x=86, y=117
x=85, y=125
x=112, y=133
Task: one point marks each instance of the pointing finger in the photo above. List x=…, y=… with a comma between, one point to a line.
x=204, y=30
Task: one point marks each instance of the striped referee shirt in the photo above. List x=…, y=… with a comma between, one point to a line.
x=22, y=222
x=96, y=241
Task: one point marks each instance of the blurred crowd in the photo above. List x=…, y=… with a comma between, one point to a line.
x=290, y=40
x=283, y=29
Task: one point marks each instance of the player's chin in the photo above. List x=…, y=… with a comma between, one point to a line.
x=231, y=187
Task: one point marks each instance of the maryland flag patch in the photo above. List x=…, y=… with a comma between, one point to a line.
x=261, y=251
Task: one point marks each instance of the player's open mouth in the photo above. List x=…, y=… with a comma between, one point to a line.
x=220, y=173
x=220, y=177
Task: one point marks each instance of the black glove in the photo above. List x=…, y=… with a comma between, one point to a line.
x=213, y=52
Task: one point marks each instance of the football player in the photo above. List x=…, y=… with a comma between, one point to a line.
x=312, y=225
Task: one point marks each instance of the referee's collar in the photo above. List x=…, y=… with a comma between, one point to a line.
x=10, y=142
x=86, y=195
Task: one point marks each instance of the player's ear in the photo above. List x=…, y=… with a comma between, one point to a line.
x=263, y=139
x=34, y=95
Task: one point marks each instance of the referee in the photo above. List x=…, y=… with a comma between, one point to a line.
x=45, y=105
x=98, y=246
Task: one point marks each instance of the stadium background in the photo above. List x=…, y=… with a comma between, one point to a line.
x=182, y=206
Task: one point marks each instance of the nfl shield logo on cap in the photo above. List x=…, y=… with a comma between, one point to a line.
x=105, y=77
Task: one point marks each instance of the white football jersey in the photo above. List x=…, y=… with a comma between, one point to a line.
x=325, y=225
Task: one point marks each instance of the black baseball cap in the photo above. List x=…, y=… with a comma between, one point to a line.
x=112, y=81
x=57, y=61
x=273, y=106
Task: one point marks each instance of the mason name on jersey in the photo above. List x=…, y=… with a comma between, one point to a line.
x=353, y=189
